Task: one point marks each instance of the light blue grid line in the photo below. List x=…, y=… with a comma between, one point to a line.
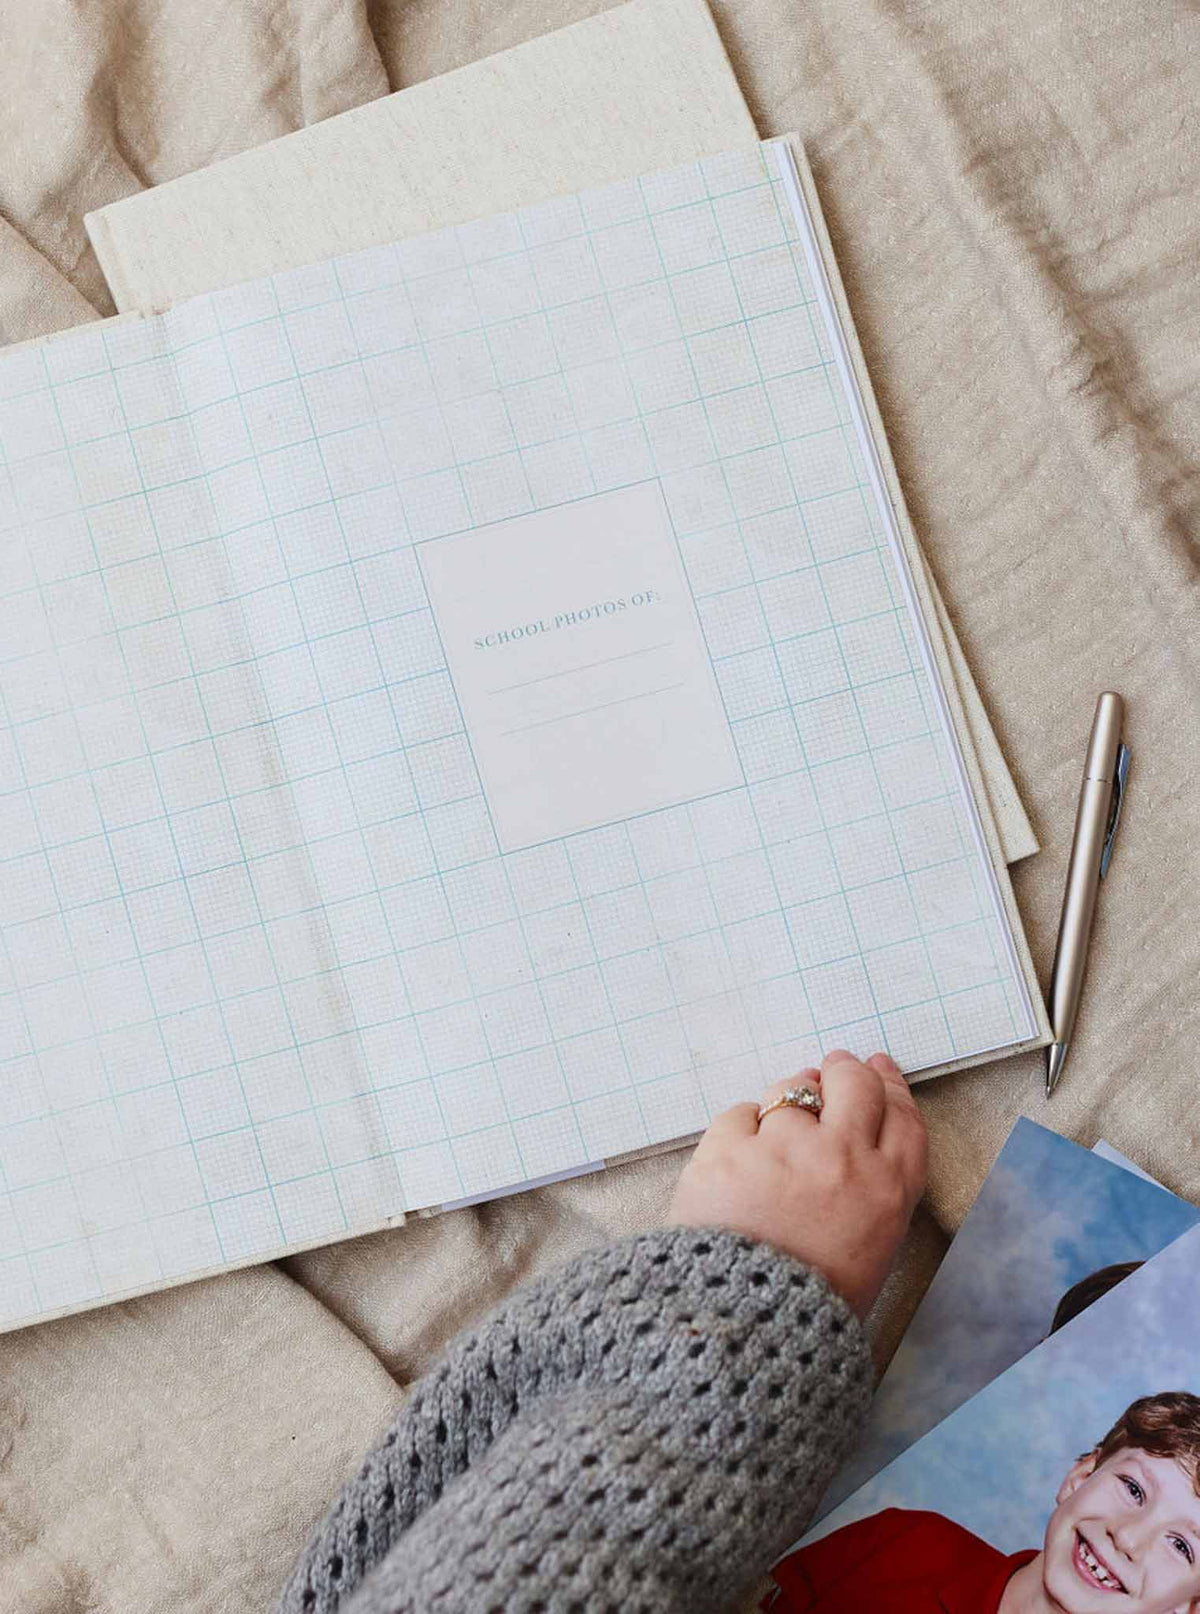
x=404, y=748
x=888, y=564
x=597, y=964
x=288, y=803
x=666, y=280
x=785, y=215
x=216, y=999
x=638, y=885
x=185, y=416
x=833, y=623
x=100, y=1045
x=820, y=1029
x=534, y=975
x=316, y=773
x=607, y=299
x=308, y=641
x=852, y=685
x=317, y=504
x=642, y=884
x=350, y=296
x=938, y=742
x=757, y=590
x=636, y=1083
x=440, y=870
x=5, y=1191
x=454, y=868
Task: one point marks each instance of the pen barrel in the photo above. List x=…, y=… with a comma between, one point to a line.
x=1079, y=903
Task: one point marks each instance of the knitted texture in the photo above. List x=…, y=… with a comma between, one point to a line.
x=647, y=1429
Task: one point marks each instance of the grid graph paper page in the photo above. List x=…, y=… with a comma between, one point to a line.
x=460, y=721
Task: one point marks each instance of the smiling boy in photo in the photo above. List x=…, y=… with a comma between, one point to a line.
x=1124, y=1535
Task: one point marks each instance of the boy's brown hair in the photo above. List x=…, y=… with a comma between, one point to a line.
x=1166, y=1425
x=1090, y=1289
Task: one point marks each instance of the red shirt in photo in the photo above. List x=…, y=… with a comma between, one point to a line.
x=896, y=1562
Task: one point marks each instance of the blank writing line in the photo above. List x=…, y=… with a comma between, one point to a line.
x=565, y=672
x=644, y=695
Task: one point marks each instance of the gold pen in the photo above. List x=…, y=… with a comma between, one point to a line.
x=1096, y=817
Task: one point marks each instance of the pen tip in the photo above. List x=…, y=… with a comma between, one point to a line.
x=1056, y=1055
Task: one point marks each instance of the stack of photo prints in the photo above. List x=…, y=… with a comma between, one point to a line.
x=1035, y=1443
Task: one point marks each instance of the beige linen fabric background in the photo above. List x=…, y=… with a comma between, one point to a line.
x=1012, y=193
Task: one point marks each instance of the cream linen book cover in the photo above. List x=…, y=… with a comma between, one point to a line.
x=643, y=86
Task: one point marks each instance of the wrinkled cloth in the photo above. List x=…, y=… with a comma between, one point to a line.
x=1011, y=195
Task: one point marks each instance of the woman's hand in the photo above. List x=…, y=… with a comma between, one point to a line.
x=835, y=1190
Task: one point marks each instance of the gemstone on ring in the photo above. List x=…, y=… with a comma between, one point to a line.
x=794, y=1098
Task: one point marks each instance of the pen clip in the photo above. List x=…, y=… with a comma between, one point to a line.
x=1114, y=812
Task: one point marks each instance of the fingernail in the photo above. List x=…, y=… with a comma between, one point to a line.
x=840, y=1053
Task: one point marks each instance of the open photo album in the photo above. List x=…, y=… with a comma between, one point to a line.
x=467, y=712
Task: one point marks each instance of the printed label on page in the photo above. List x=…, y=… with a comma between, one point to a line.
x=580, y=665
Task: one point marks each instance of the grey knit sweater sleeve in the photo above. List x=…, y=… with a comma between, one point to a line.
x=647, y=1429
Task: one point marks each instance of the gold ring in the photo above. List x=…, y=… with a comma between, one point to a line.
x=794, y=1098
